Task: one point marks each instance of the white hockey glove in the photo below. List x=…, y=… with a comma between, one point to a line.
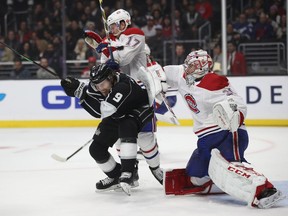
x=226, y=115
x=73, y=87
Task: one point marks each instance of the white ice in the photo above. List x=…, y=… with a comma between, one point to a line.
x=33, y=184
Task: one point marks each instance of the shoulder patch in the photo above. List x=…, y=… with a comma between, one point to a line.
x=131, y=31
x=213, y=82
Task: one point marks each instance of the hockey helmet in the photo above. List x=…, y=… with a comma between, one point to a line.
x=197, y=64
x=118, y=16
x=101, y=72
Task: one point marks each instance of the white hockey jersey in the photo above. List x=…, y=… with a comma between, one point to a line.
x=129, y=53
x=201, y=97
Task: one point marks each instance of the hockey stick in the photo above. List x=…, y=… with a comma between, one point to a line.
x=63, y=159
x=30, y=60
x=173, y=118
x=104, y=19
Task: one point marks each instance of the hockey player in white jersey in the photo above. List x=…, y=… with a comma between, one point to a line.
x=217, y=164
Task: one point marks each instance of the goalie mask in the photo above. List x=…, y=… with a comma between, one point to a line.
x=114, y=20
x=197, y=64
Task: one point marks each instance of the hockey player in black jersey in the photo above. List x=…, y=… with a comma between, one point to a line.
x=123, y=105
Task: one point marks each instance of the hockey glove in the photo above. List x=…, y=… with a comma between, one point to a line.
x=101, y=47
x=226, y=115
x=92, y=39
x=73, y=87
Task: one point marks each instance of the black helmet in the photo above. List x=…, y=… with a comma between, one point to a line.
x=100, y=73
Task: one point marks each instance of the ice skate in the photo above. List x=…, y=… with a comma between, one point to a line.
x=108, y=184
x=157, y=173
x=269, y=197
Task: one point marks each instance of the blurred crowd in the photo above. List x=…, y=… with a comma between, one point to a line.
x=38, y=31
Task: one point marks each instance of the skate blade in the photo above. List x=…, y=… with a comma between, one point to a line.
x=126, y=188
x=114, y=187
x=268, y=203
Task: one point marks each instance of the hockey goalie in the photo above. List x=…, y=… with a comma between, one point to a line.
x=218, y=164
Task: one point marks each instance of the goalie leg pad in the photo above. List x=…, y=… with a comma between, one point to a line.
x=235, y=179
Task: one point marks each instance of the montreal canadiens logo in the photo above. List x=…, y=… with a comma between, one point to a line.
x=191, y=103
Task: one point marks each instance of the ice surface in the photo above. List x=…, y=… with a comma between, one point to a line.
x=33, y=184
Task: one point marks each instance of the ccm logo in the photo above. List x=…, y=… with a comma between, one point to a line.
x=239, y=172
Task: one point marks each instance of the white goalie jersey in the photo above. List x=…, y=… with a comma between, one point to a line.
x=202, y=96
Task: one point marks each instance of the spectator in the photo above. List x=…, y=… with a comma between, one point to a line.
x=274, y=17
x=75, y=30
x=167, y=28
x=138, y=21
x=251, y=16
x=243, y=28
x=149, y=28
x=179, y=24
x=41, y=45
x=191, y=16
x=38, y=14
x=217, y=53
x=24, y=32
x=204, y=7
x=156, y=43
x=180, y=54
x=12, y=40
x=70, y=45
x=85, y=73
x=20, y=72
x=282, y=30
x=6, y=54
x=80, y=50
x=236, y=64
x=27, y=50
x=231, y=34
x=263, y=29
x=53, y=56
x=158, y=19
x=42, y=73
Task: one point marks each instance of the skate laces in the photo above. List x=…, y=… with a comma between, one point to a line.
x=107, y=181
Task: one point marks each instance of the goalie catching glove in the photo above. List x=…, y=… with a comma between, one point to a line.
x=226, y=115
x=73, y=87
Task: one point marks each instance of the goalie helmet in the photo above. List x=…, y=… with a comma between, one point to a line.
x=101, y=72
x=118, y=16
x=197, y=64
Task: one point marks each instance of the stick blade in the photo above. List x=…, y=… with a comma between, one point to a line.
x=58, y=158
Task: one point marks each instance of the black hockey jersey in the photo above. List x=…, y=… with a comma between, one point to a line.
x=126, y=95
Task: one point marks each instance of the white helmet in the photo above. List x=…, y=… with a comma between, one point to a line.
x=118, y=16
x=197, y=64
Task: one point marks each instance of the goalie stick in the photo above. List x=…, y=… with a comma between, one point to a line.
x=64, y=159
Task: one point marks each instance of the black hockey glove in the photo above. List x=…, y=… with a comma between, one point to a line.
x=73, y=87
